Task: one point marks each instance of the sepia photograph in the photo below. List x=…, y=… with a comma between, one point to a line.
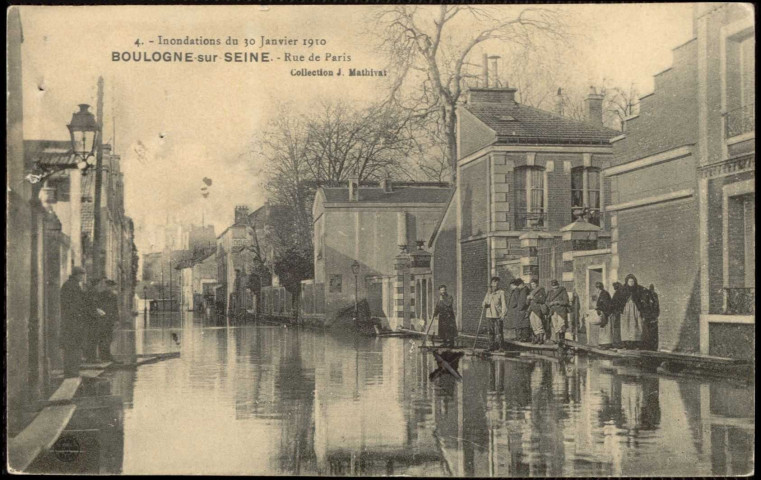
x=465, y=240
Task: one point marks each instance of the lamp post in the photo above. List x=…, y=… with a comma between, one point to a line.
x=355, y=271
x=145, y=306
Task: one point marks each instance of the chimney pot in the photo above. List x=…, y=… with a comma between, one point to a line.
x=387, y=185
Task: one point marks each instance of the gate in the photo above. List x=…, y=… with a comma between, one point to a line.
x=550, y=259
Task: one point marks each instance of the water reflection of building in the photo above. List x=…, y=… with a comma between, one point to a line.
x=366, y=421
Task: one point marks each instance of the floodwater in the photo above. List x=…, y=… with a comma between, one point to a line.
x=272, y=400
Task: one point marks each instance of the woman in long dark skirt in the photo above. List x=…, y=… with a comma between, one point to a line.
x=444, y=310
x=631, y=303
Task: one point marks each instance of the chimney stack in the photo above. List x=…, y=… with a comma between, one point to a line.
x=559, y=102
x=241, y=214
x=354, y=188
x=593, y=103
x=386, y=184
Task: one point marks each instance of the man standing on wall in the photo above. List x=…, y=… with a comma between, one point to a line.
x=495, y=308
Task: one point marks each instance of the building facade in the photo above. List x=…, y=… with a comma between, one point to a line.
x=368, y=225
x=523, y=175
x=682, y=188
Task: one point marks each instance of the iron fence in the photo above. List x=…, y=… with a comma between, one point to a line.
x=741, y=120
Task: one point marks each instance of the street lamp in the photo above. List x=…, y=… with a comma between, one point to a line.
x=145, y=305
x=84, y=132
x=355, y=271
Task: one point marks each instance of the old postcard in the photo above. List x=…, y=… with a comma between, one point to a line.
x=388, y=240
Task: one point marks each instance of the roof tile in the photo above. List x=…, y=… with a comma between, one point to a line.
x=517, y=123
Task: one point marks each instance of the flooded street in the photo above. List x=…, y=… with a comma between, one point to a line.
x=275, y=400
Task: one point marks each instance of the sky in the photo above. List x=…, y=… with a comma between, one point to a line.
x=175, y=123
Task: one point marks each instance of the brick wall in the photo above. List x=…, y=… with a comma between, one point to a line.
x=473, y=191
x=659, y=245
x=475, y=280
x=668, y=118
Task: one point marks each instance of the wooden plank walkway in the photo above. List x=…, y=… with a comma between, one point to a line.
x=66, y=391
x=38, y=436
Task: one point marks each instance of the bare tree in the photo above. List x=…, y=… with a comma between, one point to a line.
x=430, y=48
x=373, y=142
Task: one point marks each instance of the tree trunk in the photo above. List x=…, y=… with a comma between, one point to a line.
x=450, y=123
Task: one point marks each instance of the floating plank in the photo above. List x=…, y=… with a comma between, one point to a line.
x=532, y=346
x=693, y=358
x=94, y=366
x=66, y=390
x=39, y=435
x=412, y=332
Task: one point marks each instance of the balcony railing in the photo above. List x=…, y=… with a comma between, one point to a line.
x=530, y=220
x=740, y=301
x=740, y=121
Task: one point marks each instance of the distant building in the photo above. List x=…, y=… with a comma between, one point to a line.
x=523, y=176
x=235, y=264
x=369, y=225
x=683, y=188
x=199, y=237
x=198, y=278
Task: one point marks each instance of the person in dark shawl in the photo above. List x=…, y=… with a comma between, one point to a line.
x=650, y=327
x=557, y=300
x=537, y=310
x=602, y=307
x=631, y=304
x=444, y=310
x=517, y=305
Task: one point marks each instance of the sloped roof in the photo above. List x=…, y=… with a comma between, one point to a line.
x=400, y=194
x=49, y=153
x=517, y=123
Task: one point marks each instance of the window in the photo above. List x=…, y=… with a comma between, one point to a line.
x=529, y=191
x=335, y=283
x=740, y=78
x=585, y=192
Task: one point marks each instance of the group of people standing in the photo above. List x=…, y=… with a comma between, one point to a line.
x=532, y=313
x=629, y=318
x=88, y=314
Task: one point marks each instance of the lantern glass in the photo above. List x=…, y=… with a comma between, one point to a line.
x=84, y=132
x=355, y=267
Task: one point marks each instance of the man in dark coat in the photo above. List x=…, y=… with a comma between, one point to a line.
x=517, y=306
x=91, y=320
x=73, y=321
x=107, y=302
